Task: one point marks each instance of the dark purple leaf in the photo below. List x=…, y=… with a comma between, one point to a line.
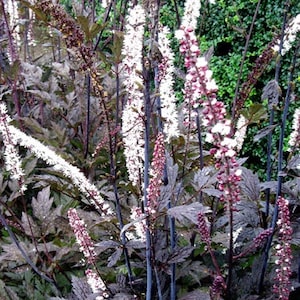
x=180, y=254
x=113, y=259
x=188, y=211
x=264, y=132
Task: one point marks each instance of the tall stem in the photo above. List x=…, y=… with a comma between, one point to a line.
x=146, y=182
x=87, y=117
x=280, y=164
x=14, y=59
x=271, y=119
x=243, y=61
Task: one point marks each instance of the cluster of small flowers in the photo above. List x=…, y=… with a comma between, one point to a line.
x=156, y=171
x=83, y=54
x=191, y=13
x=72, y=33
x=283, y=251
x=201, y=89
x=260, y=239
x=166, y=92
x=229, y=177
x=105, y=140
x=217, y=287
x=139, y=223
x=11, y=157
x=294, y=141
x=240, y=133
x=260, y=65
x=61, y=165
x=257, y=242
x=199, y=84
x=203, y=228
x=132, y=118
x=97, y=284
x=290, y=35
x=82, y=236
x=11, y=8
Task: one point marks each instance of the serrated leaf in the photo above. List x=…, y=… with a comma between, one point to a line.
x=94, y=30
x=127, y=226
x=180, y=254
x=264, y=132
x=221, y=238
x=136, y=244
x=293, y=163
x=212, y=192
x=250, y=185
x=42, y=205
x=80, y=288
x=202, y=177
x=10, y=252
x=188, y=211
x=30, y=227
x=49, y=225
x=255, y=113
x=196, y=295
x=272, y=92
x=41, y=94
x=167, y=190
x=113, y=259
x=6, y=292
x=38, y=13
x=104, y=245
x=85, y=25
x=30, y=165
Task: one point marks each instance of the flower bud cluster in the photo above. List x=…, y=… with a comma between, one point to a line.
x=82, y=236
x=283, y=251
x=200, y=89
x=260, y=239
x=260, y=65
x=70, y=30
x=156, y=171
x=199, y=84
x=74, y=39
x=217, y=287
x=203, y=228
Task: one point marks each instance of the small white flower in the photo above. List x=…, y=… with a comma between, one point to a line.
x=97, y=284
x=238, y=172
x=201, y=62
x=191, y=13
x=241, y=130
x=167, y=95
x=290, y=35
x=132, y=117
x=295, y=135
